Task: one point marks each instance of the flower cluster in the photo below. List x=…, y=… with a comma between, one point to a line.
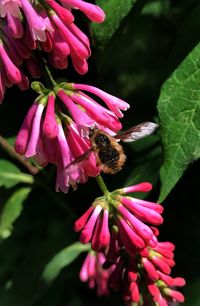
x=52, y=131
x=48, y=26
x=124, y=229
x=92, y=271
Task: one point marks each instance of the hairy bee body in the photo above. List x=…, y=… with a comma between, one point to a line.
x=110, y=154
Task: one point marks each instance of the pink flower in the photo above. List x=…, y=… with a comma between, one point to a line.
x=129, y=215
x=10, y=6
x=93, y=113
x=94, y=226
x=53, y=133
x=48, y=26
x=158, y=257
x=113, y=103
x=15, y=27
x=92, y=271
x=132, y=216
x=136, y=278
x=13, y=74
x=93, y=12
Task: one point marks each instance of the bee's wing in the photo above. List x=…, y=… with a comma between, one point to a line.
x=137, y=132
x=78, y=160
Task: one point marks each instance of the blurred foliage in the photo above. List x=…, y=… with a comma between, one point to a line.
x=147, y=52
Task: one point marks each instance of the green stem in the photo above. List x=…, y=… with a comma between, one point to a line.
x=102, y=184
x=49, y=75
x=45, y=70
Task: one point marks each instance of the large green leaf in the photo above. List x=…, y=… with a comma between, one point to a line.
x=10, y=175
x=61, y=260
x=179, y=110
x=115, y=11
x=12, y=210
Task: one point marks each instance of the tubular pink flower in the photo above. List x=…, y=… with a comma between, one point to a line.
x=78, y=115
x=12, y=72
x=80, y=65
x=64, y=14
x=94, y=226
x=114, y=104
x=150, y=269
x=81, y=222
x=84, y=275
x=140, y=228
x=22, y=139
x=15, y=27
x=78, y=146
x=10, y=6
x=74, y=43
x=146, y=214
x=98, y=112
x=81, y=36
x=142, y=187
x=174, y=294
x=135, y=294
x=50, y=126
x=87, y=231
x=95, y=245
x=66, y=155
x=154, y=291
x=12, y=52
x=93, y=12
x=127, y=233
x=37, y=25
x=104, y=237
x=35, y=132
x=92, y=272
x=173, y=282
x=29, y=39
x=112, y=252
x=46, y=45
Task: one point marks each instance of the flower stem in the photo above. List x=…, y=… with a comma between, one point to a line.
x=49, y=75
x=11, y=152
x=102, y=184
x=45, y=70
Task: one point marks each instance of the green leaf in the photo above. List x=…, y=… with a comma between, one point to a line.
x=179, y=110
x=12, y=210
x=115, y=11
x=62, y=259
x=156, y=7
x=10, y=175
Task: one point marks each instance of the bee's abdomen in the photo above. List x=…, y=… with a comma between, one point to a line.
x=109, y=157
x=101, y=141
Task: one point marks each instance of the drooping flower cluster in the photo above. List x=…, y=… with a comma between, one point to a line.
x=92, y=271
x=45, y=25
x=52, y=131
x=124, y=229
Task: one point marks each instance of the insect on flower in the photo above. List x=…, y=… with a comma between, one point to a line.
x=109, y=153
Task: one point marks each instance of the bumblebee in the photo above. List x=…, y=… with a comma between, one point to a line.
x=109, y=153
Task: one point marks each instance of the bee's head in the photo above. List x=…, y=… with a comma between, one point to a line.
x=91, y=132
